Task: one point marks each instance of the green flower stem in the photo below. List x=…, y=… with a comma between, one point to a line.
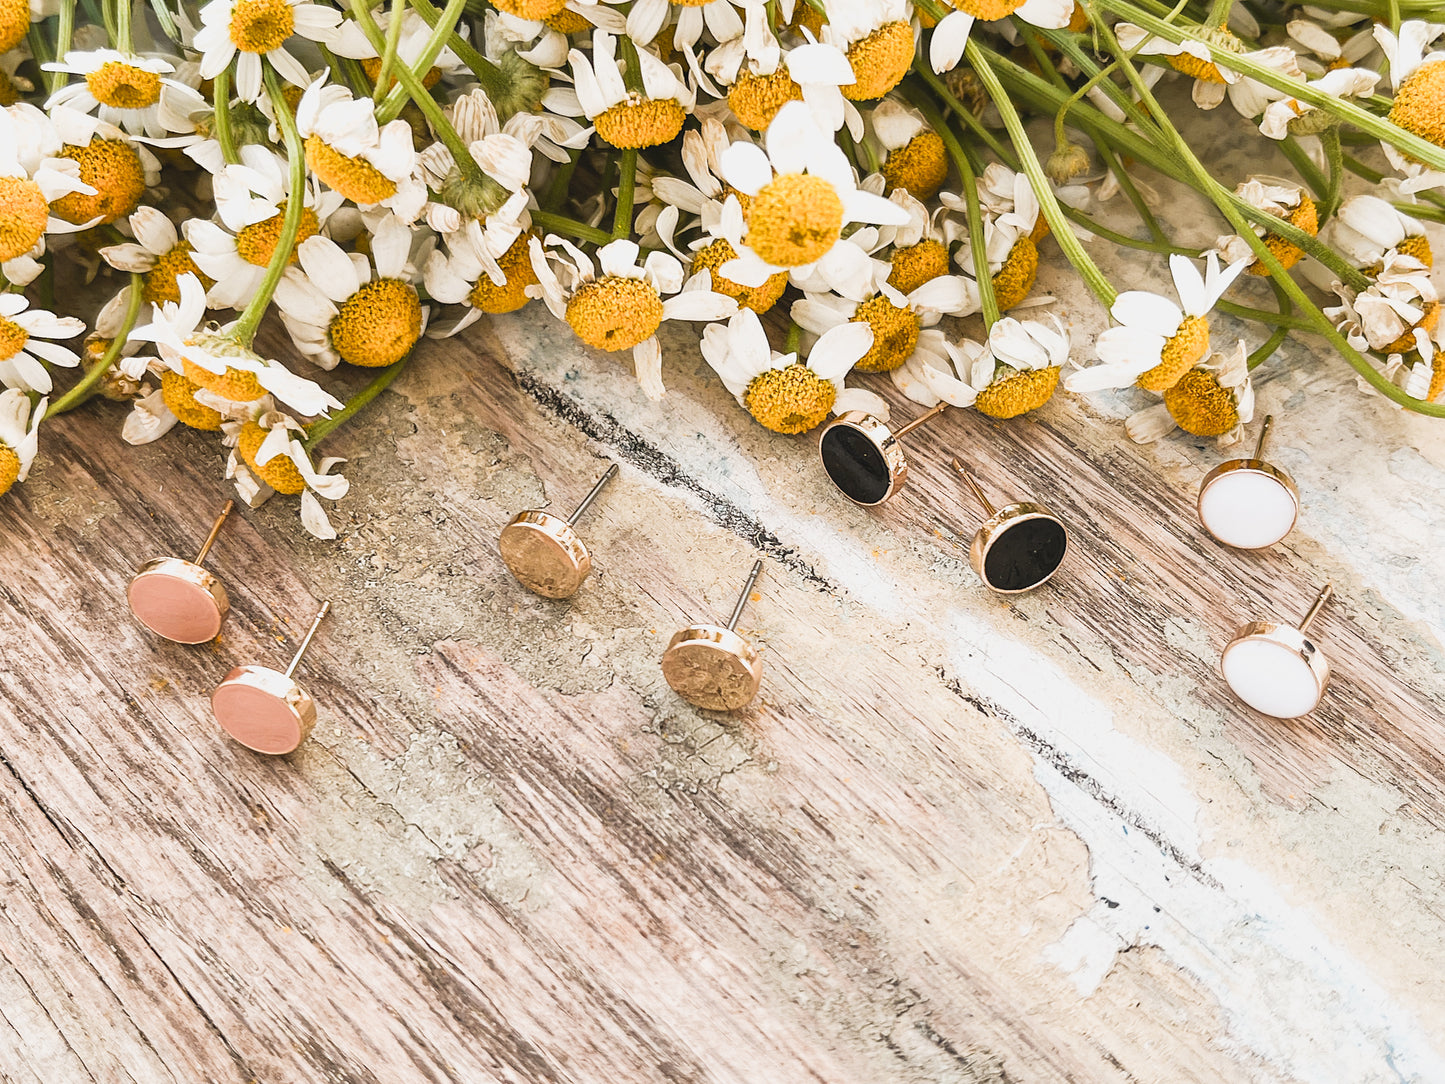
x=555, y=223
x=1302, y=164
x=388, y=54
x=64, y=32
x=1345, y=110
x=124, y=39
x=318, y=430
x=1281, y=278
x=626, y=187
x=85, y=386
x=1132, y=193
x=561, y=182
x=244, y=330
x=1067, y=43
x=632, y=75
x=1063, y=233
x=486, y=73
x=1219, y=13
x=445, y=26
x=1335, y=156
x=1267, y=348
x=221, y=101
x=987, y=300
x=167, y=19
x=1264, y=316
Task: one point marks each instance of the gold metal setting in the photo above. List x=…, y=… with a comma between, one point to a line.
x=1249, y=503
x=711, y=666
x=864, y=458
x=1019, y=547
x=264, y=709
x=1275, y=668
x=544, y=552
x=178, y=599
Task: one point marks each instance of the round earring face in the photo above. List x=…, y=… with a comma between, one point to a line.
x=1019, y=548
x=1248, y=504
x=545, y=554
x=178, y=600
x=712, y=667
x=862, y=458
x=263, y=709
x=1275, y=670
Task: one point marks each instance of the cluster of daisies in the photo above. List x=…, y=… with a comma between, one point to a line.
x=821, y=189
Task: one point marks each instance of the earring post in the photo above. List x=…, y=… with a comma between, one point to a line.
x=973, y=485
x=1263, y=434
x=306, y=640
x=743, y=598
x=922, y=419
x=215, y=530
x=1320, y=600
x=607, y=476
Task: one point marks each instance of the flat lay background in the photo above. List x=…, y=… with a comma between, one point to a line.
x=957, y=838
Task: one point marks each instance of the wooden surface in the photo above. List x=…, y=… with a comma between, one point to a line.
x=958, y=838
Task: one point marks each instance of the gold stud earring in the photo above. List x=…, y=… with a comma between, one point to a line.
x=864, y=458
x=264, y=709
x=1274, y=668
x=713, y=667
x=1248, y=503
x=1018, y=547
x=544, y=552
x=178, y=599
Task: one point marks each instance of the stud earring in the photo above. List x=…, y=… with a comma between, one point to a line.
x=1248, y=503
x=178, y=599
x=1018, y=547
x=1274, y=668
x=264, y=709
x=543, y=551
x=713, y=667
x=864, y=458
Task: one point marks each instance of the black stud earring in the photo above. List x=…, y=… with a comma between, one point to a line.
x=864, y=458
x=1018, y=547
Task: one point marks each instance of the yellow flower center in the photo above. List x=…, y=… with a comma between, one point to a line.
x=758, y=298
x=160, y=281
x=114, y=169
x=791, y=400
x=1406, y=342
x=179, y=395
x=1015, y=392
x=879, y=61
x=794, y=219
x=806, y=17
x=1181, y=351
x=13, y=338
x=14, y=23
x=1199, y=404
x=914, y=265
x=1420, y=102
x=1305, y=217
x=9, y=469
x=1013, y=281
x=237, y=385
x=615, y=313
x=256, y=243
x=919, y=167
x=1437, y=377
x=566, y=21
x=516, y=266
x=1418, y=246
x=258, y=26
x=532, y=10
x=756, y=99
x=124, y=86
x=23, y=211
x=378, y=324
x=279, y=473
x=9, y=92
x=640, y=122
x=351, y=175
x=895, y=334
x=988, y=10
x=1203, y=70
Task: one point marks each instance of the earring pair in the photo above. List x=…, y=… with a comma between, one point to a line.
x=264, y=709
x=710, y=666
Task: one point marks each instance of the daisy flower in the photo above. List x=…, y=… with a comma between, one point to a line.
x=622, y=307
x=914, y=158
x=158, y=253
x=1398, y=313
x=877, y=38
x=125, y=89
x=118, y=170
x=368, y=164
x=917, y=250
x=1215, y=399
x=647, y=17
x=801, y=193
x=1157, y=341
x=1291, y=117
x=1028, y=357
x=18, y=441
x=1367, y=228
x=256, y=29
x=351, y=41
x=1192, y=58
x=761, y=78
x=622, y=117
x=337, y=309
x=24, y=353
x=469, y=272
x=26, y=196
x=945, y=46
x=268, y=451
x=1283, y=200
x=943, y=370
x=781, y=392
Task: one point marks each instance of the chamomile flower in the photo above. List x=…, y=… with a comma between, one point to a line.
x=1397, y=313
x=914, y=156
x=124, y=89
x=268, y=449
x=1289, y=116
x=627, y=118
x=26, y=196
x=14, y=24
x=1283, y=200
x=1157, y=341
x=918, y=251
x=1190, y=57
x=622, y=307
x=116, y=169
x=718, y=17
x=1367, y=228
x=350, y=41
x=945, y=47
x=245, y=31
x=122, y=382
x=469, y=272
x=19, y=436
x=943, y=370
x=801, y=193
x=1028, y=356
x=761, y=77
x=366, y=163
x=1214, y=399
x=158, y=253
x=24, y=353
x=338, y=309
x=877, y=38
x=1419, y=81
x=781, y=392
